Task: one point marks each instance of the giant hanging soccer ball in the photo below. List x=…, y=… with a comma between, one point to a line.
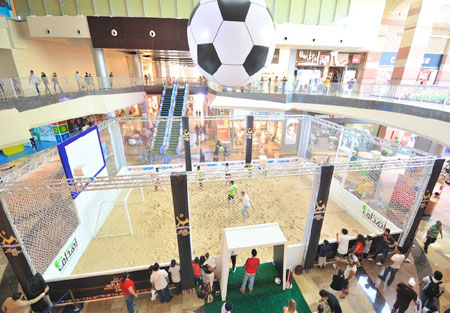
x=231, y=40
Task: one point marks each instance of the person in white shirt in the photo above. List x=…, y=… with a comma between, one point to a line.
x=78, y=80
x=227, y=307
x=247, y=204
x=349, y=272
x=34, y=80
x=397, y=259
x=209, y=267
x=160, y=280
x=342, y=250
x=174, y=271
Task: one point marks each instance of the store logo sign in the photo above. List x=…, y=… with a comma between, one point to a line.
x=373, y=217
x=63, y=259
x=313, y=57
x=10, y=245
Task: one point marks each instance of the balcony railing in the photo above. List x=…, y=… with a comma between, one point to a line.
x=409, y=94
x=17, y=87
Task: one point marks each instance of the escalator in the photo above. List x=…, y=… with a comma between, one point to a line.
x=161, y=130
x=176, y=124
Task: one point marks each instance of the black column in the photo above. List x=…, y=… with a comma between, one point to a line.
x=248, y=140
x=437, y=167
x=13, y=250
x=187, y=143
x=178, y=181
x=326, y=175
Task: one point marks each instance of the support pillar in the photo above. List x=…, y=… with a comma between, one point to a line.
x=138, y=66
x=14, y=250
x=316, y=220
x=178, y=182
x=443, y=77
x=157, y=69
x=249, y=140
x=369, y=73
x=187, y=143
x=291, y=69
x=409, y=233
x=418, y=29
x=100, y=68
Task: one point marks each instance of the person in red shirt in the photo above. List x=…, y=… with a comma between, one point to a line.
x=197, y=273
x=358, y=249
x=251, y=267
x=128, y=291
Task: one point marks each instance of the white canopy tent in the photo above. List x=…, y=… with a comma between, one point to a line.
x=252, y=237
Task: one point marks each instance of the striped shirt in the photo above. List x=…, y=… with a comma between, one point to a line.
x=434, y=231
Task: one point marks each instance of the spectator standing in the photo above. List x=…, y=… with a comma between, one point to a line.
x=283, y=84
x=128, y=291
x=331, y=300
x=358, y=248
x=175, y=275
x=261, y=85
x=34, y=80
x=323, y=253
x=269, y=83
x=388, y=242
x=251, y=268
x=209, y=266
x=434, y=288
x=275, y=84
x=78, y=80
x=397, y=260
x=33, y=144
x=111, y=79
x=249, y=87
x=56, y=83
x=405, y=294
x=17, y=89
x=366, y=249
x=291, y=308
x=326, y=85
x=16, y=304
x=338, y=281
x=86, y=81
x=146, y=80
x=349, y=272
x=44, y=79
x=91, y=81
x=233, y=260
x=202, y=156
x=197, y=274
x=350, y=86
x=227, y=307
x=432, y=235
x=160, y=280
x=342, y=239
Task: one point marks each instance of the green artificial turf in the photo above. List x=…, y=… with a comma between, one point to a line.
x=267, y=297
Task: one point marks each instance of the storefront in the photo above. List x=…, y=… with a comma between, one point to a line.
x=384, y=72
x=429, y=69
x=399, y=136
x=427, y=74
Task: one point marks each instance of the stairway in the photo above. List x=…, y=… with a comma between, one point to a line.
x=176, y=125
x=162, y=123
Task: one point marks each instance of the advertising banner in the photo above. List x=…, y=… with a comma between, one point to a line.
x=326, y=175
x=13, y=250
x=182, y=227
x=249, y=139
x=99, y=286
x=223, y=130
x=187, y=143
x=290, y=137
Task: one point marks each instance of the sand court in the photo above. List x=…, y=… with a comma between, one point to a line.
x=284, y=200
